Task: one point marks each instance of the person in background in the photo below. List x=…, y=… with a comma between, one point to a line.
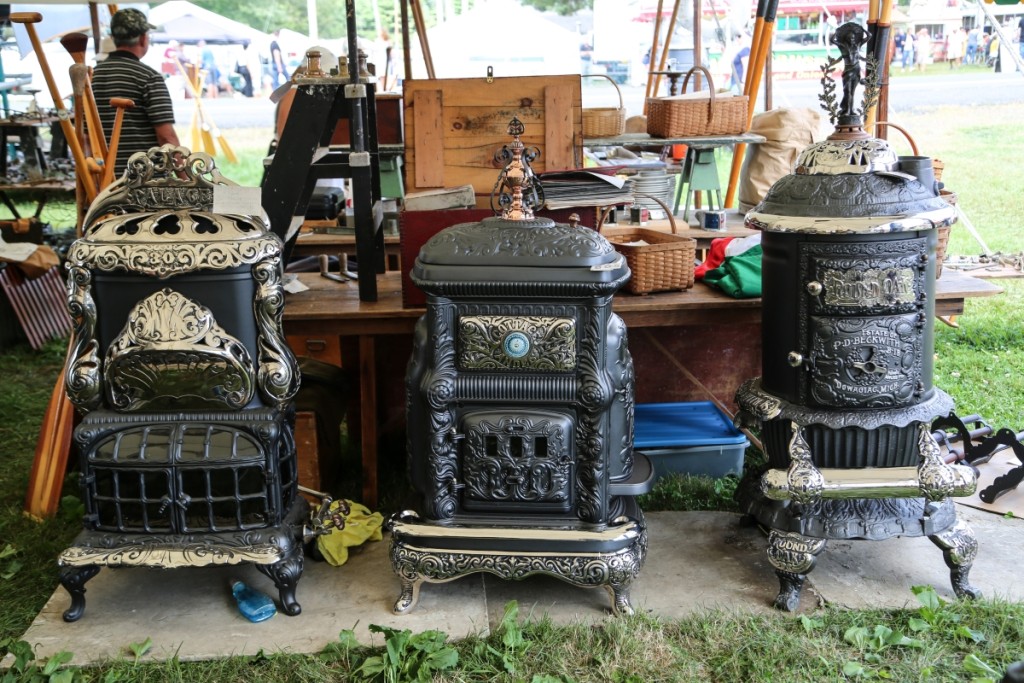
x=971, y=56
x=898, y=41
x=209, y=65
x=923, y=49
x=278, y=69
x=909, y=47
x=122, y=74
x=242, y=69
x=1020, y=35
x=955, y=47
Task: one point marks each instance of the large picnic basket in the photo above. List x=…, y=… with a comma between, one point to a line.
x=659, y=261
x=687, y=114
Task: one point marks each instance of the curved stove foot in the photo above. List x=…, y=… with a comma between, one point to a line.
x=959, y=548
x=793, y=556
x=285, y=575
x=73, y=579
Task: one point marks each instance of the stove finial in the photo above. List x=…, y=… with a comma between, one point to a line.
x=518, y=191
x=849, y=121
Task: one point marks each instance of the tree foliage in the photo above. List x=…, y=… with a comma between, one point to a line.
x=563, y=7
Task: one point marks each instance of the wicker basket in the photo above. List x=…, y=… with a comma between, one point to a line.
x=602, y=122
x=942, y=235
x=670, y=117
x=665, y=263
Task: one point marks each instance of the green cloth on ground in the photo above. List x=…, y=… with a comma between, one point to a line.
x=361, y=525
x=738, y=276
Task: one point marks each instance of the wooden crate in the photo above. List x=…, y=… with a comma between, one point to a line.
x=457, y=125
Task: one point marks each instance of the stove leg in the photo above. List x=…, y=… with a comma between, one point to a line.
x=959, y=548
x=793, y=557
x=286, y=574
x=409, y=596
x=73, y=579
x=621, y=605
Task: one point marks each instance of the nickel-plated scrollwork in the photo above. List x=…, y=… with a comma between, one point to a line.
x=959, y=548
x=793, y=556
x=936, y=479
x=486, y=343
x=83, y=375
x=173, y=354
x=278, y=374
x=166, y=177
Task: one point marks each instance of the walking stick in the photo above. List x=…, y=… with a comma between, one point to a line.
x=75, y=44
x=653, y=54
x=665, y=52
x=29, y=19
x=754, y=80
x=120, y=104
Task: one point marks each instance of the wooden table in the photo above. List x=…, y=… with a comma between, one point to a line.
x=316, y=243
x=647, y=140
x=712, y=346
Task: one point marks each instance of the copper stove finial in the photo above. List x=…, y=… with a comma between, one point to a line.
x=518, y=191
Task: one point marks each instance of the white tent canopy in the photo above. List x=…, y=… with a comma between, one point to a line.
x=515, y=40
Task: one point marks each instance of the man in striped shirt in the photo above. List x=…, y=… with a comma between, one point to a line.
x=122, y=74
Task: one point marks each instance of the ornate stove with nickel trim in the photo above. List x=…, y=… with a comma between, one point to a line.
x=846, y=397
x=520, y=405
x=185, y=382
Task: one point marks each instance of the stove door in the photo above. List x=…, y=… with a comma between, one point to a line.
x=865, y=325
x=517, y=463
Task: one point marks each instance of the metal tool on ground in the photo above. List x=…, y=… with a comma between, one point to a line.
x=88, y=183
x=208, y=128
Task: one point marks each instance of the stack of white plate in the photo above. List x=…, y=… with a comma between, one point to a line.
x=656, y=183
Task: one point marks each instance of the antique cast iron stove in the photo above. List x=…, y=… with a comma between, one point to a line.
x=185, y=382
x=520, y=406
x=846, y=397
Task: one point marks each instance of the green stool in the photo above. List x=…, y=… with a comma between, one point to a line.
x=699, y=174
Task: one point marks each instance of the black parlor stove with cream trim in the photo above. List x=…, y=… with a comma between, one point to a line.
x=846, y=398
x=520, y=405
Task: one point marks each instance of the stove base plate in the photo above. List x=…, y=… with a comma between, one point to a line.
x=422, y=552
x=276, y=551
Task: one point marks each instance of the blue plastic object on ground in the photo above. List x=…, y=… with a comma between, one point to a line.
x=253, y=605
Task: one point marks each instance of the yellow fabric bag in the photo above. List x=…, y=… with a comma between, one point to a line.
x=361, y=525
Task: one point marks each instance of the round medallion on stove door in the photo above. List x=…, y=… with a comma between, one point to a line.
x=516, y=345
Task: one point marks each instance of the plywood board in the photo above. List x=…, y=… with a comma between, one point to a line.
x=473, y=126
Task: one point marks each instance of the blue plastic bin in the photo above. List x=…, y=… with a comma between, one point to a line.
x=689, y=438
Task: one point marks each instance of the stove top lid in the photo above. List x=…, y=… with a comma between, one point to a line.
x=535, y=243
x=516, y=244
x=853, y=182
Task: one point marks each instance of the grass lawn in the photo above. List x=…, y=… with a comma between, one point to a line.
x=981, y=364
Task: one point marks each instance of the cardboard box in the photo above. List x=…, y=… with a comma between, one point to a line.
x=694, y=438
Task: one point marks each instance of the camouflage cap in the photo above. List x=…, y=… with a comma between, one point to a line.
x=129, y=23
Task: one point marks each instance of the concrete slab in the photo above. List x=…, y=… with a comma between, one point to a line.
x=190, y=612
x=696, y=561
x=861, y=574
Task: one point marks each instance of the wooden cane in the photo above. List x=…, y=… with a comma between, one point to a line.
x=652, y=55
x=29, y=19
x=755, y=71
x=75, y=44
x=120, y=104
x=755, y=46
x=665, y=52
x=93, y=133
x=880, y=48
